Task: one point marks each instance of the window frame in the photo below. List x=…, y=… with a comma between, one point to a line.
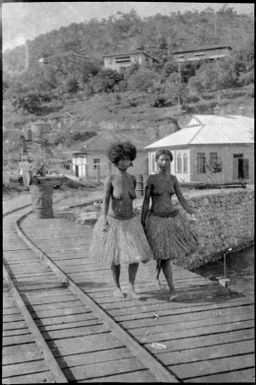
x=179, y=164
x=96, y=164
x=201, y=163
x=185, y=163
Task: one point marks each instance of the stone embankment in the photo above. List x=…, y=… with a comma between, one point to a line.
x=226, y=221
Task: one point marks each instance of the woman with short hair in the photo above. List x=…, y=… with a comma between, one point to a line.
x=167, y=231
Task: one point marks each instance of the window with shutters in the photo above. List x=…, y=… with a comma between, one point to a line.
x=201, y=162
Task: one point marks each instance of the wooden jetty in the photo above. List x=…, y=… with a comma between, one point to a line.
x=60, y=318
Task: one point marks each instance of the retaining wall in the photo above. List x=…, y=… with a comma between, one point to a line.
x=226, y=220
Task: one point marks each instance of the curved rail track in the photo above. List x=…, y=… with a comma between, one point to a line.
x=53, y=310
x=60, y=328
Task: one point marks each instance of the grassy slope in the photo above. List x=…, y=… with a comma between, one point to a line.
x=107, y=112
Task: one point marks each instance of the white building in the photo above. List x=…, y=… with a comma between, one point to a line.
x=211, y=148
x=119, y=61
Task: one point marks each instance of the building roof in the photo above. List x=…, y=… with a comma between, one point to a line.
x=132, y=53
x=211, y=129
x=208, y=48
x=125, y=53
x=103, y=140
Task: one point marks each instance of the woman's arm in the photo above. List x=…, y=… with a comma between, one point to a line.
x=106, y=198
x=181, y=198
x=146, y=201
x=134, y=181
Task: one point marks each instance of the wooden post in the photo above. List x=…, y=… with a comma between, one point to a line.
x=98, y=172
x=179, y=86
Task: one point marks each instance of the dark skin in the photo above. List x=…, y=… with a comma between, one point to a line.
x=119, y=192
x=159, y=190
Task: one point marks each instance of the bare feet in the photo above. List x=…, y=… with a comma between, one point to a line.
x=159, y=284
x=118, y=293
x=132, y=293
x=173, y=296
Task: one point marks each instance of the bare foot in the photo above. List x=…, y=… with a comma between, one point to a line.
x=132, y=293
x=118, y=293
x=159, y=284
x=173, y=296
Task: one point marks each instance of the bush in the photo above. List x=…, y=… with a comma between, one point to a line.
x=136, y=98
x=232, y=94
x=141, y=80
x=202, y=107
x=106, y=81
x=83, y=135
x=192, y=98
x=161, y=100
x=246, y=78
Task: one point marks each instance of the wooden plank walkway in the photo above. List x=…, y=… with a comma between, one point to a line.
x=82, y=345
x=22, y=360
x=206, y=336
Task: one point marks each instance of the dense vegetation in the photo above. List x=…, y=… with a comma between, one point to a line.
x=30, y=84
x=44, y=75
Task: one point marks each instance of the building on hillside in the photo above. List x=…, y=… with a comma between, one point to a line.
x=119, y=61
x=211, y=149
x=204, y=53
x=92, y=163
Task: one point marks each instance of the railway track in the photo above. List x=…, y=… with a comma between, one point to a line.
x=87, y=335
x=54, y=331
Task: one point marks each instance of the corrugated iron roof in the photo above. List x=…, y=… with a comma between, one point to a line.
x=211, y=129
x=125, y=53
x=132, y=53
x=204, y=48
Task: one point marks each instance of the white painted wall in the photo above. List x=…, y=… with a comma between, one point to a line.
x=182, y=176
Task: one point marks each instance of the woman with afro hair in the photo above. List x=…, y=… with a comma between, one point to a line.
x=168, y=232
x=118, y=235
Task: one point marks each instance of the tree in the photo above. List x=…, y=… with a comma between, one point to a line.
x=72, y=85
x=106, y=80
x=28, y=103
x=142, y=80
x=176, y=90
x=226, y=75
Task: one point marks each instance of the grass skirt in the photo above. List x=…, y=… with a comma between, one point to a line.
x=123, y=242
x=171, y=237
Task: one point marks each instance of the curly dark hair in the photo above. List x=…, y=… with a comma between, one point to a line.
x=164, y=151
x=120, y=150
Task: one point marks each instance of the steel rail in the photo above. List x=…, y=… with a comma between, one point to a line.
x=160, y=372
x=49, y=358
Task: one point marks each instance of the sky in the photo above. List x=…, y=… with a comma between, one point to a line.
x=25, y=21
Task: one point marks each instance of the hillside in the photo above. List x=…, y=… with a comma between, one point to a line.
x=79, y=99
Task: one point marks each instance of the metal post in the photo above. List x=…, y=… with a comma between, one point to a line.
x=225, y=266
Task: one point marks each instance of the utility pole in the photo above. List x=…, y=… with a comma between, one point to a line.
x=179, y=82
